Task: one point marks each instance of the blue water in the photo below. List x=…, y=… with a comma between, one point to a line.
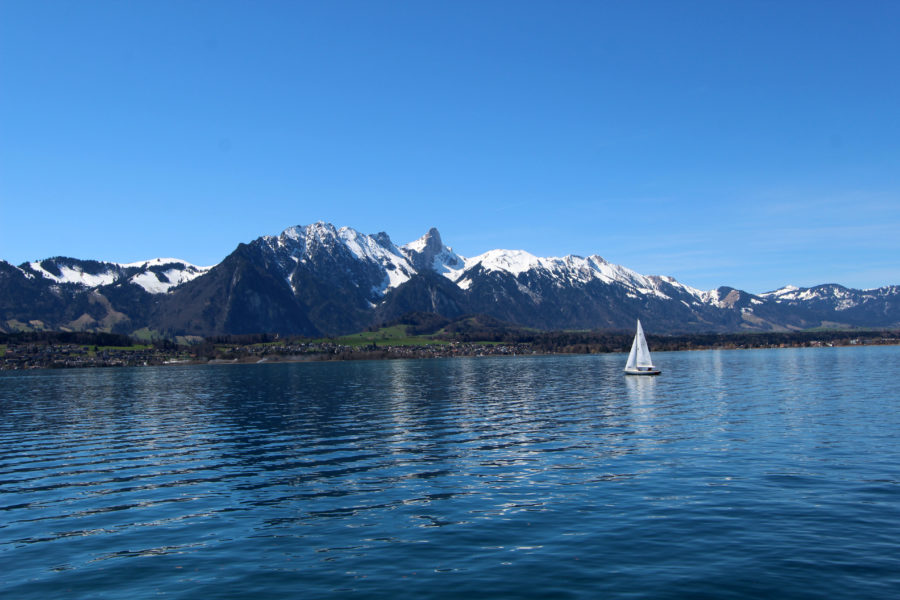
x=735, y=474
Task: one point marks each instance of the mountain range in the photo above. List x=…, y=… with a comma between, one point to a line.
x=319, y=280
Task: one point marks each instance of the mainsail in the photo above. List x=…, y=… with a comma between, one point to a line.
x=640, y=353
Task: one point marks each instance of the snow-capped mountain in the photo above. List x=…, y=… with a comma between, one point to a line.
x=71, y=294
x=320, y=246
x=841, y=304
x=575, y=270
x=837, y=297
x=318, y=279
x=156, y=276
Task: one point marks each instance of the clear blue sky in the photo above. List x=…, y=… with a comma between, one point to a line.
x=751, y=144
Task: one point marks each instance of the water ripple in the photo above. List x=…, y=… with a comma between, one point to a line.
x=736, y=474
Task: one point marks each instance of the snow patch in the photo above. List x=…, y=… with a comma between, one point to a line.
x=514, y=262
x=787, y=293
x=366, y=248
x=76, y=275
x=417, y=245
x=179, y=272
x=160, y=283
x=711, y=297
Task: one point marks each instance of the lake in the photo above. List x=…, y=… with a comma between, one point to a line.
x=734, y=474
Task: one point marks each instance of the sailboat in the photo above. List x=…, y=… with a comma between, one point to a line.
x=639, y=361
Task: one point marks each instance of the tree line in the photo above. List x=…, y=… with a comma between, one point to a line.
x=581, y=342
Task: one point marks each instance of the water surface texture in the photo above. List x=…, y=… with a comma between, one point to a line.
x=735, y=474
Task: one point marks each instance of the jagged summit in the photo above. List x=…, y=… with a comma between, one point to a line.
x=431, y=241
x=429, y=253
x=334, y=253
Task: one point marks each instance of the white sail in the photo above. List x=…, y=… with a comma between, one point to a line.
x=639, y=357
x=643, y=352
x=632, y=356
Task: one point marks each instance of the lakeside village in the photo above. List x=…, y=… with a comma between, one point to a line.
x=60, y=350
x=66, y=356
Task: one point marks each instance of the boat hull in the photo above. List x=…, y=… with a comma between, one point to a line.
x=646, y=372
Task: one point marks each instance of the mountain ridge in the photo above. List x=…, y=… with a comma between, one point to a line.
x=318, y=279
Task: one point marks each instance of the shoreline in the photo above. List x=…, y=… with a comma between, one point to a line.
x=18, y=357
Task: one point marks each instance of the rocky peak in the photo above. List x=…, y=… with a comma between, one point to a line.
x=422, y=252
x=433, y=241
x=383, y=240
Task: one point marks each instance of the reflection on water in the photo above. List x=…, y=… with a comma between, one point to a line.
x=741, y=473
x=641, y=390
